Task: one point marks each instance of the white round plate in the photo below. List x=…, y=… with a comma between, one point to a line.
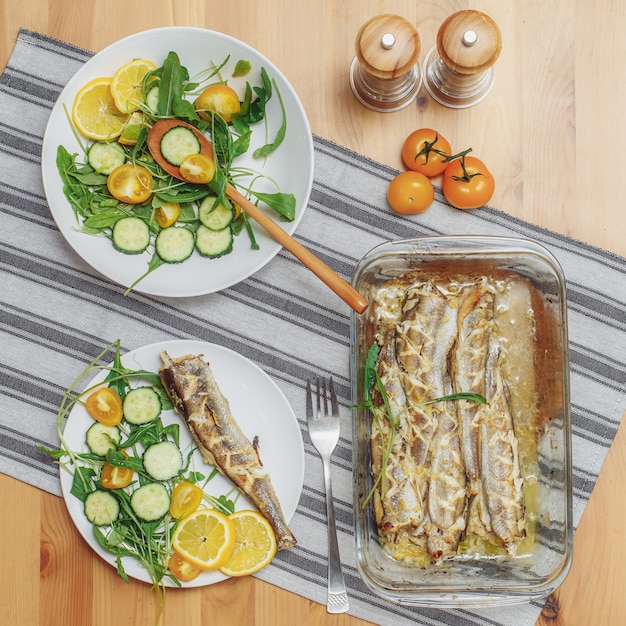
x=291, y=165
x=258, y=406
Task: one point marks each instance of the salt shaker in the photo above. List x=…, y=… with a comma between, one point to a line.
x=385, y=75
x=458, y=71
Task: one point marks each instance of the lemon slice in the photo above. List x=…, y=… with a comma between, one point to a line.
x=94, y=112
x=127, y=84
x=255, y=544
x=205, y=538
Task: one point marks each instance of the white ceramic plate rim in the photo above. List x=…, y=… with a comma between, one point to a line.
x=258, y=405
x=291, y=165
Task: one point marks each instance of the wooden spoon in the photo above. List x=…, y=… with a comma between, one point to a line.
x=342, y=288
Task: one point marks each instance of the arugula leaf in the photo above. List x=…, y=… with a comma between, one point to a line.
x=82, y=483
x=242, y=68
x=282, y=203
x=117, y=459
x=253, y=110
x=170, y=84
x=268, y=148
x=370, y=369
x=155, y=262
x=103, y=220
x=253, y=242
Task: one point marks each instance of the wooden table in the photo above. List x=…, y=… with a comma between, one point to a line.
x=553, y=132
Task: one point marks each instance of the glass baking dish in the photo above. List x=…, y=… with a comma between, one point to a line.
x=474, y=576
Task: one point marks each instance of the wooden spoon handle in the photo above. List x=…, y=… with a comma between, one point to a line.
x=327, y=275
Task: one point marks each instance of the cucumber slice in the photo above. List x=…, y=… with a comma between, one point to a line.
x=141, y=405
x=131, y=235
x=152, y=99
x=178, y=143
x=101, y=508
x=150, y=502
x=174, y=244
x=104, y=157
x=215, y=215
x=214, y=243
x=163, y=460
x=100, y=438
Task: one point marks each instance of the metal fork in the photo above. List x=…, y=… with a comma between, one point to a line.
x=324, y=434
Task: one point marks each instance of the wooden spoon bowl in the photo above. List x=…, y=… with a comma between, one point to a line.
x=327, y=275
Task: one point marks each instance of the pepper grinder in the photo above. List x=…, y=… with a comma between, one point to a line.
x=458, y=71
x=385, y=75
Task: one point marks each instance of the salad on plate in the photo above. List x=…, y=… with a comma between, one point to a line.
x=117, y=189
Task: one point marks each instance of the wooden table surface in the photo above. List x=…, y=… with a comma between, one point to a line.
x=553, y=131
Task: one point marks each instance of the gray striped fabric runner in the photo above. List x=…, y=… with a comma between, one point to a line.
x=56, y=314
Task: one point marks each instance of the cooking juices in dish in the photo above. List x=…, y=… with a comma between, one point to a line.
x=455, y=477
x=461, y=426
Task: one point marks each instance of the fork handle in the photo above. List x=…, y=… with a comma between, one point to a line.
x=337, y=596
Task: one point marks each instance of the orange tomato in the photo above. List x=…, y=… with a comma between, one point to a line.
x=218, y=98
x=130, y=183
x=410, y=192
x=167, y=214
x=105, y=406
x=185, y=499
x=198, y=168
x=183, y=570
x=467, y=183
x=113, y=477
x=424, y=151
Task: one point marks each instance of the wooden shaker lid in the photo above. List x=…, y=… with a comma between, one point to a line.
x=387, y=46
x=469, y=42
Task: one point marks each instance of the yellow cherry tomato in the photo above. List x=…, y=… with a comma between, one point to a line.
x=167, y=214
x=105, y=406
x=198, y=168
x=183, y=570
x=410, y=192
x=185, y=499
x=218, y=98
x=130, y=183
x=425, y=151
x=467, y=183
x=113, y=477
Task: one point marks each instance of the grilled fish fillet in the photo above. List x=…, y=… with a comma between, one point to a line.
x=190, y=384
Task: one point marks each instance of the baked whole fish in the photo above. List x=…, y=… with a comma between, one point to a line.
x=398, y=501
x=475, y=322
x=449, y=474
x=191, y=386
x=501, y=474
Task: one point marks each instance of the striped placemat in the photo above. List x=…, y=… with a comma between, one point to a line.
x=57, y=313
